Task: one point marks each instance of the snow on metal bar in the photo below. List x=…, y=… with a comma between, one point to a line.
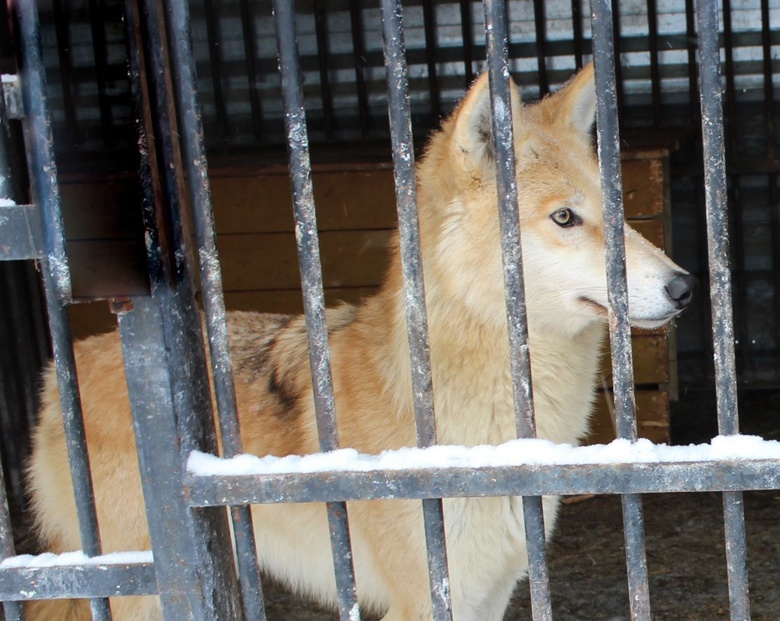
x=515, y=453
x=73, y=574
x=519, y=467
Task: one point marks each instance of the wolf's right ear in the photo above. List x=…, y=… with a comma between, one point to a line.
x=473, y=132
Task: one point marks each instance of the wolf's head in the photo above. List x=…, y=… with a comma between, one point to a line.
x=560, y=210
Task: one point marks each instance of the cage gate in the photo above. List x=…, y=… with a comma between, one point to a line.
x=195, y=568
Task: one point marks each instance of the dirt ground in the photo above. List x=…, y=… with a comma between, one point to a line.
x=685, y=544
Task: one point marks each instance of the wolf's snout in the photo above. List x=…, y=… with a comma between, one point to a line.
x=680, y=289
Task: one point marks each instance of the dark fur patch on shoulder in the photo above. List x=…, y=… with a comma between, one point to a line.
x=280, y=389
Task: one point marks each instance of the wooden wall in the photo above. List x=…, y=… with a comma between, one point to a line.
x=356, y=216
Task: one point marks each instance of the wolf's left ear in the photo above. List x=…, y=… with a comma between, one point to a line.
x=575, y=103
x=473, y=129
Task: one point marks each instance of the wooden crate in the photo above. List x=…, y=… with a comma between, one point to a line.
x=356, y=215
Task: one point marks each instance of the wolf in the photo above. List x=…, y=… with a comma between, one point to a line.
x=560, y=209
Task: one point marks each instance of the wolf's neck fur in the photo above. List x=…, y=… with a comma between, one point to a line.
x=471, y=370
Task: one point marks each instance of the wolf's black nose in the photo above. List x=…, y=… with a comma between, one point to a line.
x=680, y=289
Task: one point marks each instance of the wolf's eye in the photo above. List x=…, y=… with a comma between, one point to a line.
x=564, y=217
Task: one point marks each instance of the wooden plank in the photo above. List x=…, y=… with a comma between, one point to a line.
x=651, y=359
x=267, y=261
x=107, y=268
x=644, y=187
x=652, y=409
x=345, y=200
x=90, y=318
x=291, y=301
x=102, y=209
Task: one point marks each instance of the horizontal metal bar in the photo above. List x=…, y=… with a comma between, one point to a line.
x=82, y=581
x=21, y=233
x=527, y=480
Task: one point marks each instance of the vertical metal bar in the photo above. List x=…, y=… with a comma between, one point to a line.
x=13, y=610
x=604, y=53
x=250, y=55
x=617, y=44
x=503, y=133
x=40, y=145
x=655, y=72
x=323, y=54
x=769, y=131
x=467, y=31
x=715, y=188
x=171, y=405
x=497, y=41
x=612, y=193
x=411, y=264
x=56, y=274
x=215, y=58
x=194, y=156
x=97, y=9
x=357, y=55
x=429, y=26
x=739, y=282
x=188, y=586
x=62, y=30
x=313, y=294
x=576, y=29
x=540, y=25
x=690, y=39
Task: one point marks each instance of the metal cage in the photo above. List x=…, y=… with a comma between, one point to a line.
x=192, y=568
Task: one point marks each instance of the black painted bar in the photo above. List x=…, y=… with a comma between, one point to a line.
x=401, y=135
x=170, y=400
x=497, y=41
x=194, y=157
x=56, y=273
x=12, y=610
x=715, y=191
x=605, y=54
x=313, y=293
x=250, y=58
x=467, y=30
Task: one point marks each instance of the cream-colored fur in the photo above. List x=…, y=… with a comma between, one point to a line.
x=566, y=299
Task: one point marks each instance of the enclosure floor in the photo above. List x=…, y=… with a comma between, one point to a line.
x=685, y=555
x=685, y=542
